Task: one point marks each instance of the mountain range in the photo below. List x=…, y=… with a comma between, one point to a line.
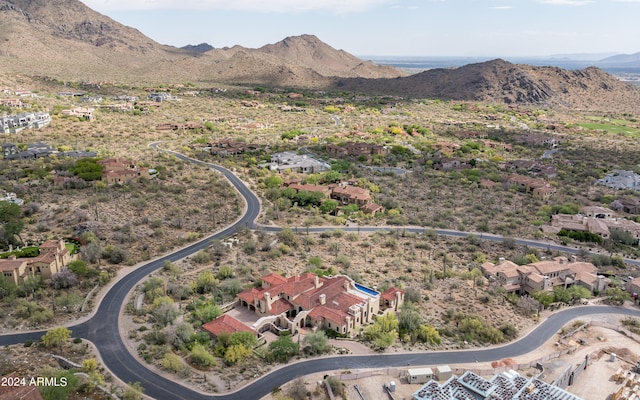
x=66, y=40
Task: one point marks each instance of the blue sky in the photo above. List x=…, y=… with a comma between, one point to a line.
x=474, y=28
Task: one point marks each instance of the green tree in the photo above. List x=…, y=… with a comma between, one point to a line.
x=236, y=353
x=617, y=296
x=316, y=343
x=282, y=349
x=207, y=312
x=78, y=267
x=200, y=356
x=59, y=392
x=164, y=310
x=561, y=295
x=7, y=288
x=543, y=297
x=89, y=365
x=409, y=321
x=12, y=224
x=173, y=363
x=56, y=336
x=88, y=169
x=350, y=209
x=134, y=391
x=225, y=273
x=332, y=177
x=429, y=334
x=273, y=181
x=287, y=237
x=247, y=339
x=328, y=206
x=205, y=282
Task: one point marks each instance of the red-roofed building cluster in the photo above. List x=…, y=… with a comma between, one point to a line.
x=336, y=303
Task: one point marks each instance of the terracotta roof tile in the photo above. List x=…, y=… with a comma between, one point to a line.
x=225, y=324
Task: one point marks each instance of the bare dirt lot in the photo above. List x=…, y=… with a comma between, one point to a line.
x=595, y=383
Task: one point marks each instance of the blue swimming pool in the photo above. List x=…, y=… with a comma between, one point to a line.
x=366, y=290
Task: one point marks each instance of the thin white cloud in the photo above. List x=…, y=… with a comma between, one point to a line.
x=333, y=6
x=626, y=1
x=566, y=2
x=501, y=7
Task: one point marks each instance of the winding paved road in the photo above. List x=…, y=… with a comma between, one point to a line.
x=103, y=329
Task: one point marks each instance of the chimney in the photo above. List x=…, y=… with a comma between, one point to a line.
x=316, y=281
x=323, y=299
x=501, y=260
x=346, y=284
x=267, y=298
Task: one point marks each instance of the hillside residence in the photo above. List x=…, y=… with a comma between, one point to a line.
x=597, y=220
x=629, y=206
x=9, y=149
x=38, y=150
x=355, y=149
x=183, y=127
x=335, y=303
x=287, y=108
x=53, y=256
x=10, y=197
x=16, y=123
x=536, y=139
x=159, y=97
x=347, y=194
x=544, y=275
x=231, y=147
x=508, y=385
x=448, y=163
x=300, y=187
x=620, y=179
x=536, y=187
x=25, y=93
x=14, y=103
x=290, y=161
x=85, y=113
x=121, y=171
x=535, y=167
x=344, y=192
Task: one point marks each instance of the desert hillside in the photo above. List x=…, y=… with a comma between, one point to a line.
x=500, y=81
x=67, y=40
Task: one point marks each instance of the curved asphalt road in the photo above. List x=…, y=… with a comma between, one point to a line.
x=103, y=329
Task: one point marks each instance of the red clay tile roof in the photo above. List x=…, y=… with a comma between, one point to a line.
x=11, y=265
x=390, y=294
x=26, y=392
x=330, y=287
x=49, y=244
x=250, y=295
x=274, y=279
x=225, y=324
x=325, y=313
x=279, y=306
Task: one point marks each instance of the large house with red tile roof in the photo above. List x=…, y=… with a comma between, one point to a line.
x=53, y=256
x=336, y=303
x=544, y=275
x=121, y=171
x=347, y=194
